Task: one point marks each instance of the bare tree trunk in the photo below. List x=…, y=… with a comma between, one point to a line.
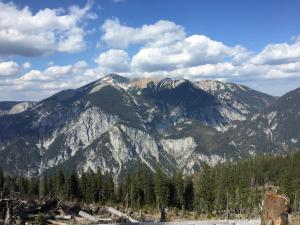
x=7, y=216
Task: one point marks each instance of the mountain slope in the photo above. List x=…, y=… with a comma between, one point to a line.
x=243, y=100
x=276, y=129
x=12, y=107
x=115, y=122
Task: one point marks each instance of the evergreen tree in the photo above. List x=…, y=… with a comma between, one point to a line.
x=99, y=185
x=43, y=186
x=188, y=194
x=1, y=179
x=177, y=190
x=162, y=191
x=205, y=192
x=108, y=188
x=33, y=188
x=59, y=183
x=73, y=186
x=83, y=185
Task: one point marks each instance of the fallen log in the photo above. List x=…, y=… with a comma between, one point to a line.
x=120, y=214
x=63, y=217
x=56, y=222
x=106, y=220
x=88, y=216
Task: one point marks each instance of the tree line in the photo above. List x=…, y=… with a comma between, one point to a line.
x=233, y=187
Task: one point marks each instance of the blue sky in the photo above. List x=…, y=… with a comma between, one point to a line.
x=54, y=45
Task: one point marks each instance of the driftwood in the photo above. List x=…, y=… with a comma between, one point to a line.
x=120, y=214
x=47, y=216
x=63, y=217
x=14, y=209
x=7, y=216
x=88, y=216
x=106, y=220
x=56, y=222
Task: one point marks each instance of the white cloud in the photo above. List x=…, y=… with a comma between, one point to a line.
x=113, y=61
x=209, y=70
x=24, y=33
x=39, y=84
x=161, y=33
x=8, y=68
x=276, y=54
x=192, y=51
x=163, y=49
x=56, y=73
x=26, y=65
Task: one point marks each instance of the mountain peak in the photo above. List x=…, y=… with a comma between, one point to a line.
x=114, y=78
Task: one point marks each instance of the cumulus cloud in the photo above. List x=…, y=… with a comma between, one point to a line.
x=166, y=50
x=163, y=32
x=114, y=61
x=44, y=32
x=8, y=69
x=39, y=84
x=160, y=49
x=55, y=73
x=276, y=54
x=190, y=52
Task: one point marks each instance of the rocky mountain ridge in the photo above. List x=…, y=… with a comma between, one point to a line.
x=114, y=123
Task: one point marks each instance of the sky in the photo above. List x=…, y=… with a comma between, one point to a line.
x=48, y=46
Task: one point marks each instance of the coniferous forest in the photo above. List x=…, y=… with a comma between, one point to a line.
x=230, y=187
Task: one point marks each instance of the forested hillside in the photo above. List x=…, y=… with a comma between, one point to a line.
x=230, y=187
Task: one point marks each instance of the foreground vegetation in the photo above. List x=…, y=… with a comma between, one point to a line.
x=226, y=188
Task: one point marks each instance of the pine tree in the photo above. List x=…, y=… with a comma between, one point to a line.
x=188, y=194
x=1, y=179
x=109, y=188
x=205, y=192
x=43, y=186
x=33, y=188
x=179, y=188
x=91, y=187
x=148, y=186
x=162, y=191
x=83, y=185
x=73, y=186
x=59, y=183
x=99, y=185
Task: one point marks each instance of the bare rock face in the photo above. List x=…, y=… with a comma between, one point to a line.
x=14, y=107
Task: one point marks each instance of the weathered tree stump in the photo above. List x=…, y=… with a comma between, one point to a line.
x=275, y=209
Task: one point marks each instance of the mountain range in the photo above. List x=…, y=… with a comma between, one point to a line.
x=115, y=123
